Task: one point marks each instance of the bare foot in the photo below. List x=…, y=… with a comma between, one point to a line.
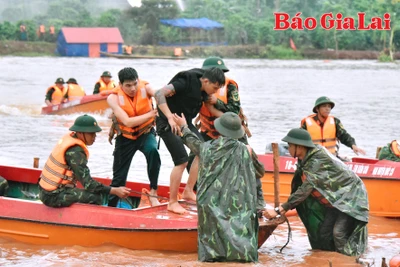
x=175, y=207
x=189, y=195
x=153, y=201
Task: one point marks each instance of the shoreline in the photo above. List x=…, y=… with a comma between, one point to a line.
x=37, y=49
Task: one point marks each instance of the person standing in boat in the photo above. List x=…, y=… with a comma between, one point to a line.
x=105, y=84
x=67, y=165
x=73, y=91
x=391, y=151
x=185, y=94
x=55, y=93
x=226, y=192
x=133, y=122
x=330, y=199
x=326, y=130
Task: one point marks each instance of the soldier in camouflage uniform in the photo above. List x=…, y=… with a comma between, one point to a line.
x=330, y=199
x=322, y=108
x=391, y=151
x=72, y=166
x=227, y=192
x=3, y=186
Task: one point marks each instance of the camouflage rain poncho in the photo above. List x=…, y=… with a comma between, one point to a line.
x=388, y=154
x=342, y=188
x=226, y=200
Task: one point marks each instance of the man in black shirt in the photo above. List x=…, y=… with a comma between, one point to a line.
x=184, y=94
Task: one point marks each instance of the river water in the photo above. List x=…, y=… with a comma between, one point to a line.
x=275, y=96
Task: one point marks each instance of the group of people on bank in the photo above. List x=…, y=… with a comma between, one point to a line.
x=58, y=93
x=331, y=200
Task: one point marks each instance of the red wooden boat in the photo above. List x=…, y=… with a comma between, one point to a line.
x=87, y=104
x=24, y=218
x=381, y=178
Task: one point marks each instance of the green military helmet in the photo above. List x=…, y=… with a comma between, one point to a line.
x=72, y=80
x=85, y=124
x=106, y=74
x=299, y=136
x=59, y=80
x=230, y=125
x=214, y=62
x=322, y=100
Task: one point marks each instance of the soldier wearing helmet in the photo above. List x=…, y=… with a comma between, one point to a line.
x=327, y=130
x=331, y=200
x=67, y=165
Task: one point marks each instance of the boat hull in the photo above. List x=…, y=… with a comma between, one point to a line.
x=88, y=104
x=381, y=179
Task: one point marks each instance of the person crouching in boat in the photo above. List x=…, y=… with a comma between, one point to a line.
x=326, y=130
x=55, y=93
x=67, y=165
x=391, y=151
x=73, y=91
x=330, y=199
x=104, y=85
x=133, y=122
x=3, y=186
x=226, y=192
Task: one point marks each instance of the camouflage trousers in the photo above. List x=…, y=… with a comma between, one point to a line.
x=3, y=186
x=65, y=197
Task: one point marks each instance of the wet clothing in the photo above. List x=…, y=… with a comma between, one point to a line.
x=3, y=186
x=187, y=99
x=124, y=151
x=341, y=134
x=226, y=199
x=327, y=227
x=390, y=152
x=93, y=192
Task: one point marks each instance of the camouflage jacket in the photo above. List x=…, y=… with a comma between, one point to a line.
x=387, y=153
x=76, y=159
x=342, y=135
x=334, y=180
x=233, y=104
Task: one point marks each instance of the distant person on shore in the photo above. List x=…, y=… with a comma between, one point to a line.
x=331, y=199
x=23, y=33
x=391, y=151
x=104, y=85
x=52, y=33
x=133, y=122
x=326, y=130
x=67, y=165
x=227, y=199
x=127, y=49
x=74, y=91
x=185, y=94
x=55, y=93
x=41, y=32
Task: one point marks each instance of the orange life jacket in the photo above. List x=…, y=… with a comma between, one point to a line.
x=139, y=105
x=325, y=136
x=395, y=148
x=75, y=91
x=52, y=30
x=206, y=118
x=57, y=95
x=317, y=195
x=42, y=29
x=56, y=173
x=128, y=50
x=22, y=28
x=106, y=87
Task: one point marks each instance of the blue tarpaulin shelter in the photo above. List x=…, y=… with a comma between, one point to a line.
x=202, y=23
x=199, y=32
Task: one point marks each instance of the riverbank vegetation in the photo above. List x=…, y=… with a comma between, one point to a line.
x=246, y=23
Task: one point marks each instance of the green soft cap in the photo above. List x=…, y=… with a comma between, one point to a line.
x=214, y=62
x=85, y=124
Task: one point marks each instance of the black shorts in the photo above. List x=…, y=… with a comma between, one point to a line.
x=172, y=141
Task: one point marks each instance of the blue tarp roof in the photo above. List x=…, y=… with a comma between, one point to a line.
x=202, y=23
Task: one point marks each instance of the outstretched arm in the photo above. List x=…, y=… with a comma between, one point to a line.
x=161, y=98
x=190, y=139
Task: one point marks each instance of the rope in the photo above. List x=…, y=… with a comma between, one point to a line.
x=289, y=235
